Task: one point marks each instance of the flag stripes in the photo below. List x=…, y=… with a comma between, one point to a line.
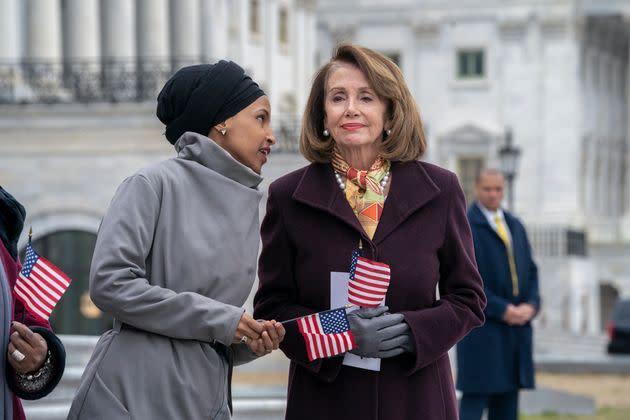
x=40, y=284
x=369, y=281
x=326, y=334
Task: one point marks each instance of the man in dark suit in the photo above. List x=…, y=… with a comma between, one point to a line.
x=495, y=360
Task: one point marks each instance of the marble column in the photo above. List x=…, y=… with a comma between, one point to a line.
x=9, y=31
x=298, y=41
x=153, y=46
x=119, y=49
x=82, y=48
x=185, y=32
x=9, y=54
x=270, y=33
x=43, y=49
x=214, y=30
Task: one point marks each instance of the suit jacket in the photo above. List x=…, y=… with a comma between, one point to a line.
x=498, y=357
x=310, y=230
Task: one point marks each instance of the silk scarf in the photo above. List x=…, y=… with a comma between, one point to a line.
x=363, y=190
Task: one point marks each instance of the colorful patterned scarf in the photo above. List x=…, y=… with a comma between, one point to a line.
x=363, y=191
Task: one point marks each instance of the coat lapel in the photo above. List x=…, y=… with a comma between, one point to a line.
x=411, y=189
x=318, y=188
x=478, y=218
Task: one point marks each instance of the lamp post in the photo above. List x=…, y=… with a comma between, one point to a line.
x=509, y=156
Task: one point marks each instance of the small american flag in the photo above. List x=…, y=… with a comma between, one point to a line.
x=40, y=284
x=369, y=281
x=326, y=333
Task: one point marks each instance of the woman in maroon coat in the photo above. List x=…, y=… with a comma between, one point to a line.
x=363, y=133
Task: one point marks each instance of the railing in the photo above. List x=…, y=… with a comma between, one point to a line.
x=287, y=131
x=106, y=80
x=557, y=241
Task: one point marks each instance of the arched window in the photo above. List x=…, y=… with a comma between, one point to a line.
x=71, y=251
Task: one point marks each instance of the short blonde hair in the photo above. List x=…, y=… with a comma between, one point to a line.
x=406, y=141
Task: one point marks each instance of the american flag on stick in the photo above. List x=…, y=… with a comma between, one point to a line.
x=40, y=284
x=369, y=281
x=326, y=333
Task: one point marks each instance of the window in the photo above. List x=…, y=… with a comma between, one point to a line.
x=283, y=30
x=471, y=64
x=254, y=22
x=467, y=168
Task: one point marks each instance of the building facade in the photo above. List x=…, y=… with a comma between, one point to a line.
x=555, y=74
x=78, y=87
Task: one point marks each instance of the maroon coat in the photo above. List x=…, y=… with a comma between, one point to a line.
x=310, y=230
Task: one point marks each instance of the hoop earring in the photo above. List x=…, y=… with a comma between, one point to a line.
x=326, y=133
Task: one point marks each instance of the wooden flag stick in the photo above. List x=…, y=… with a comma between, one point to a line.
x=347, y=306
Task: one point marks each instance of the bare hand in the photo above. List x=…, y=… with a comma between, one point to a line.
x=31, y=345
x=513, y=316
x=270, y=338
x=247, y=327
x=526, y=310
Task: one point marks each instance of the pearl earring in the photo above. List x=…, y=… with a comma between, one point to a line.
x=326, y=133
x=223, y=131
x=388, y=131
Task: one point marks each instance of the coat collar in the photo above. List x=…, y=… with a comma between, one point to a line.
x=476, y=217
x=203, y=150
x=411, y=189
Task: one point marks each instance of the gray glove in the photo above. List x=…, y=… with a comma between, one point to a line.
x=378, y=334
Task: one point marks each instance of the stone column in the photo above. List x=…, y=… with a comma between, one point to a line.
x=119, y=49
x=82, y=48
x=185, y=32
x=270, y=33
x=9, y=55
x=214, y=30
x=300, y=51
x=43, y=49
x=625, y=220
x=153, y=46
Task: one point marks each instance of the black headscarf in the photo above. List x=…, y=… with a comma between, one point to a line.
x=196, y=98
x=12, y=215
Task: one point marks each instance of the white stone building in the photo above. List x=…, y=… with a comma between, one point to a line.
x=78, y=82
x=556, y=73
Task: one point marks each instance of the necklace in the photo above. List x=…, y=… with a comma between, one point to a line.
x=342, y=184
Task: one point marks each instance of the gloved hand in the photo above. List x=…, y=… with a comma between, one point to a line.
x=405, y=340
x=378, y=334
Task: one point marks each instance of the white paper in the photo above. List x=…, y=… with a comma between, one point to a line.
x=338, y=298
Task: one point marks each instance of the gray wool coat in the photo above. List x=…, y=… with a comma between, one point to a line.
x=174, y=261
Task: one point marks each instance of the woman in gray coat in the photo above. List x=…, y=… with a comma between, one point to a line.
x=175, y=259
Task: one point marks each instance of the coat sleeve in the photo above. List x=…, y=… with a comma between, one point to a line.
x=118, y=278
x=48, y=376
x=532, y=272
x=462, y=301
x=496, y=306
x=277, y=293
